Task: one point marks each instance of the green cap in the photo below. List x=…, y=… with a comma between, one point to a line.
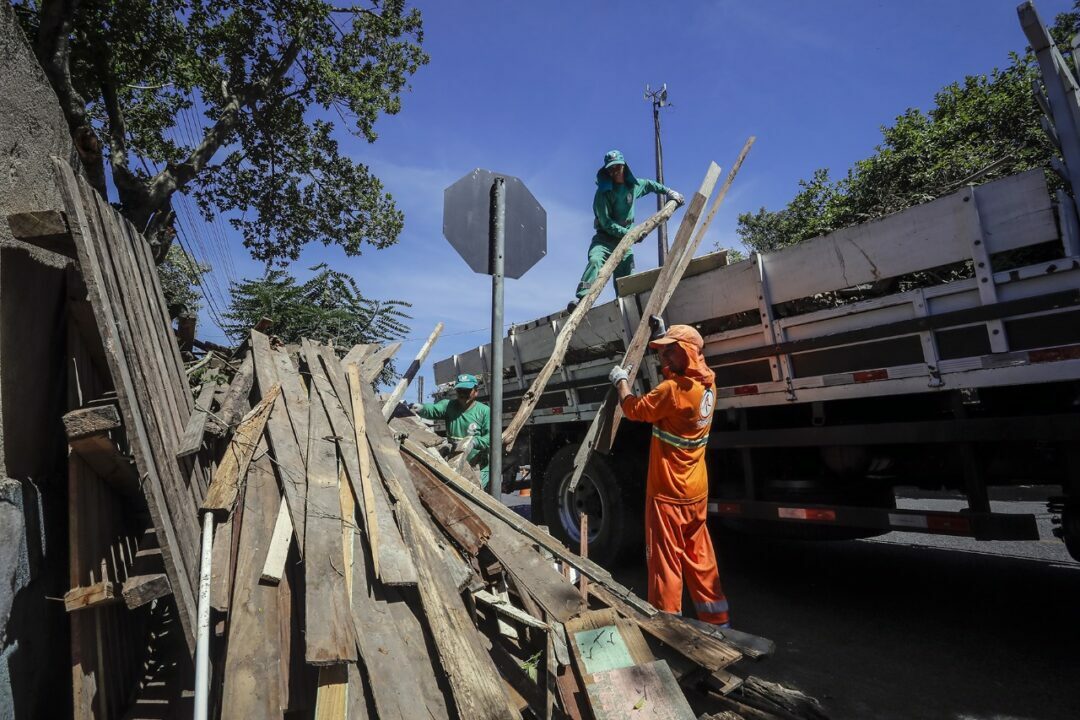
x=466, y=382
x=613, y=157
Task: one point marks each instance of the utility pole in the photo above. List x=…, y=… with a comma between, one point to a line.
x=659, y=100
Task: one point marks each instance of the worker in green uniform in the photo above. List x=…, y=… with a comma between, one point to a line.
x=468, y=422
x=613, y=212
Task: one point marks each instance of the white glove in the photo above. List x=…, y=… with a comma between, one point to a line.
x=618, y=374
x=416, y=408
x=463, y=446
x=677, y=197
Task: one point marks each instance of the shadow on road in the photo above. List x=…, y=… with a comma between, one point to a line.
x=897, y=632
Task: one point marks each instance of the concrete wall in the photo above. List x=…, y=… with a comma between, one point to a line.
x=34, y=645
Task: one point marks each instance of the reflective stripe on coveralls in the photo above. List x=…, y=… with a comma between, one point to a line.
x=677, y=441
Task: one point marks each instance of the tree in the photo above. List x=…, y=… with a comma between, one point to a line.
x=979, y=129
x=329, y=306
x=179, y=276
x=270, y=73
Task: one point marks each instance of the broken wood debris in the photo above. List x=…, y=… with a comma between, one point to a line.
x=458, y=609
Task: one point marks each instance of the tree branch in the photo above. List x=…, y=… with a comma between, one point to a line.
x=175, y=177
x=53, y=49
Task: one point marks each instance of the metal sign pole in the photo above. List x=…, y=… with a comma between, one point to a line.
x=498, y=244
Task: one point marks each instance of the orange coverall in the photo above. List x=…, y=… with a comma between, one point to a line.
x=677, y=543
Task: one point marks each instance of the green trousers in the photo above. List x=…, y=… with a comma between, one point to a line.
x=599, y=251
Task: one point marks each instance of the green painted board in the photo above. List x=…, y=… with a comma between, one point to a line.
x=641, y=692
x=602, y=649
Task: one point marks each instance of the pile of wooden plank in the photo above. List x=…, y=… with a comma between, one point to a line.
x=355, y=574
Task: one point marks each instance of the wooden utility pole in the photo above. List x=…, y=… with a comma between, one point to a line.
x=403, y=384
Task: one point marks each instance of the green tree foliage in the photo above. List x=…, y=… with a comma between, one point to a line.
x=980, y=129
x=180, y=275
x=272, y=77
x=328, y=307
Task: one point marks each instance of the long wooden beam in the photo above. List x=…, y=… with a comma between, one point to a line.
x=410, y=373
x=562, y=342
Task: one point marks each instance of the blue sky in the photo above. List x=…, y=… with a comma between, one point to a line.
x=541, y=90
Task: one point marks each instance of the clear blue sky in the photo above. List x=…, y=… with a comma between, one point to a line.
x=542, y=90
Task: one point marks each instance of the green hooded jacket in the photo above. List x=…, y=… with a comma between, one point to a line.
x=613, y=205
x=461, y=423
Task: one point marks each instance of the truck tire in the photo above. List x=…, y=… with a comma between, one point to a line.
x=615, y=524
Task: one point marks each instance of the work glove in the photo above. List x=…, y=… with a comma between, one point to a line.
x=618, y=374
x=677, y=197
x=463, y=446
x=657, y=327
x=415, y=408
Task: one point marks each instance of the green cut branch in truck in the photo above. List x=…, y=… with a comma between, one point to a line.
x=935, y=348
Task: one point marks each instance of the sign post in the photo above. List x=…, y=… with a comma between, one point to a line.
x=499, y=229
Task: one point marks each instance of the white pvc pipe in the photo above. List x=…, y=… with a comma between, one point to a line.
x=202, y=637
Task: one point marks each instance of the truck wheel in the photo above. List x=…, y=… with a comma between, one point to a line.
x=614, y=528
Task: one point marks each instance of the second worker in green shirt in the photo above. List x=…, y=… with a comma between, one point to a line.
x=466, y=421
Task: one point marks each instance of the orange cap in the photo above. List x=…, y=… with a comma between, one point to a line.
x=680, y=333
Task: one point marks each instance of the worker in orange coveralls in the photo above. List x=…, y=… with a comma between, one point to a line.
x=680, y=408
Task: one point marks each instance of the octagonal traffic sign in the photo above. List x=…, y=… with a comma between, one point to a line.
x=467, y=223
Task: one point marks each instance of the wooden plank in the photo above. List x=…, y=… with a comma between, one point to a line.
x=289, y=461
x=332, y=697
x=110, y=464
x=570, y=325
x=395, y=563
x=192, y=439
x=46, y=229
x=296, y=396
x=232, y=405
x=234, y=463
x=454, y=516
x=278, y=551
x=138, y=590
x=506, y=609
x=38, y=223
x=252, y=686
x=472, y=675
x=410, y=372
x=704, y=650
x=100, y=593
x=498, y=512
x=161, y=494
x=553, y=592
x=641, y=691
x=601, y=433
x=94, y=420
x=357, y=354
x=373, y=364
x=328, y=631
x=593, y=635
x=370, y=519
x=404, y=607
x=395, y=689
x=412, y=427
x=221, y=565
x=396, y=566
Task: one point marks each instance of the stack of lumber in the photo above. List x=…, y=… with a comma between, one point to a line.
x=355, y=574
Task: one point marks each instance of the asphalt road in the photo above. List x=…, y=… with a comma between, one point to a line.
x=911, y=626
